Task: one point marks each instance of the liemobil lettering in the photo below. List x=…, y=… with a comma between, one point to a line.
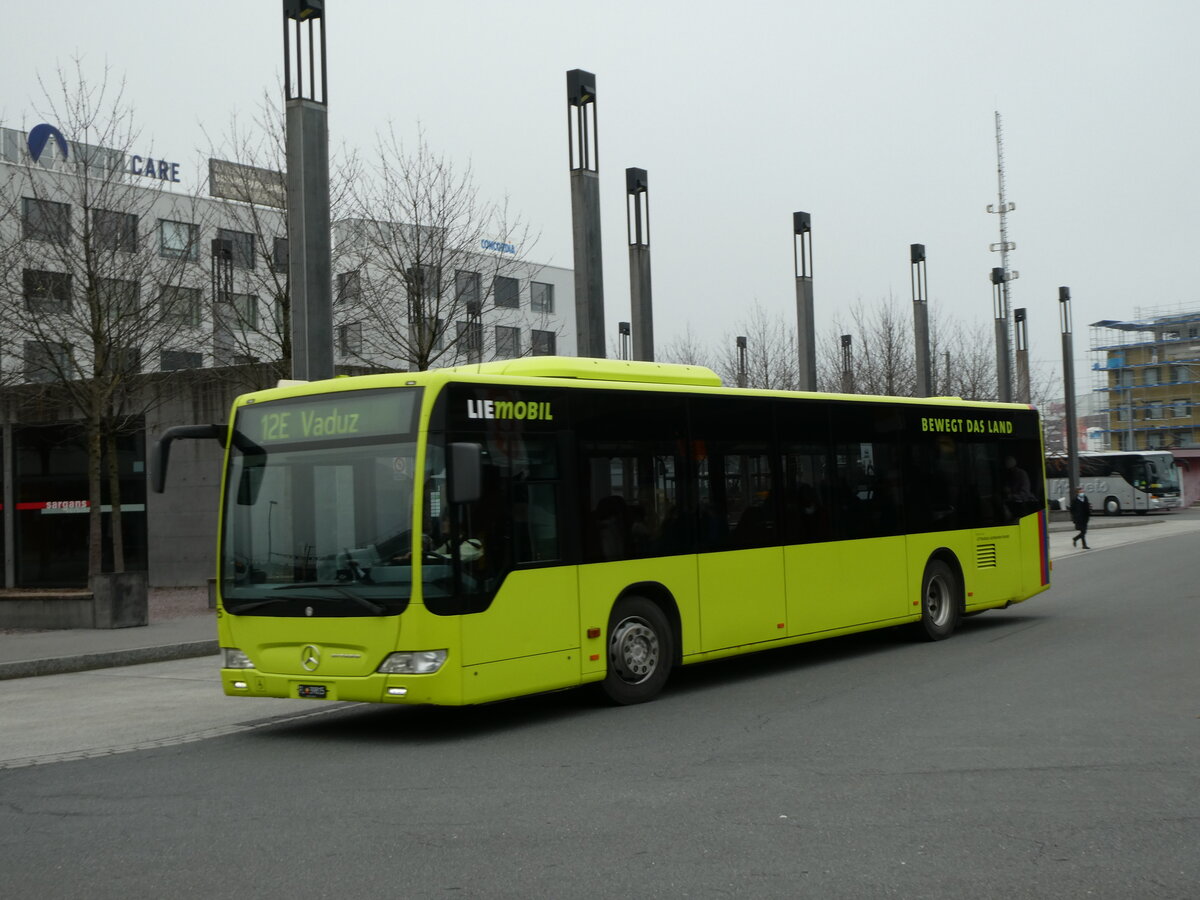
x=532, y=410
x=965, y=426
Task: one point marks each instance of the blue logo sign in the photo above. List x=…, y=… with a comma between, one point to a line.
x=498, y=247
x=40, y=135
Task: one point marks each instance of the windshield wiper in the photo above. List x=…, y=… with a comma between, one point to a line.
x=257, y=604
x=362, y=601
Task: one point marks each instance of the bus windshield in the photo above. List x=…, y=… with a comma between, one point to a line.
x=319, y=506
x=1163, y=473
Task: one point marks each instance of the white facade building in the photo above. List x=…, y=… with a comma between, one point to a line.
x=155, y=244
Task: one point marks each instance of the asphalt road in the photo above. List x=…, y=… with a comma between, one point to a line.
x=1050, y=750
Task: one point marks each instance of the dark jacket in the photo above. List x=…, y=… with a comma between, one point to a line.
x=1081, y=511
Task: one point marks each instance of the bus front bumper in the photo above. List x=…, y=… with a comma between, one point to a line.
x=441, y=688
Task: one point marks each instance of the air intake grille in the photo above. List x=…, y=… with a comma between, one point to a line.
x=985, y=556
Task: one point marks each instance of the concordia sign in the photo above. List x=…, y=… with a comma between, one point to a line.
x=498, y=246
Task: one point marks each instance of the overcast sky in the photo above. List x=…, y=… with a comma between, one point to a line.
x=875, y=117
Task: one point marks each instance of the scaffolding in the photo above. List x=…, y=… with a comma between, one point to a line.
x=1147, y=379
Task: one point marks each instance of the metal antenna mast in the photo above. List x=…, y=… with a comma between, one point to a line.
x=1002, y=302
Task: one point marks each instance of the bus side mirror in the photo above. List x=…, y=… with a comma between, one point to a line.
x=466, y=473
x=162, y=449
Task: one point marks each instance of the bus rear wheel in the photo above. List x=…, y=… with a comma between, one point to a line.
x=1112, y=506
x=941, y=602
x=641, y=649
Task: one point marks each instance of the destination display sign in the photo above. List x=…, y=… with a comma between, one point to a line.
x=345, y=415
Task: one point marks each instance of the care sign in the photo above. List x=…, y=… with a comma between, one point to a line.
x=347, y=414
x=42, y=136
x=149, y=167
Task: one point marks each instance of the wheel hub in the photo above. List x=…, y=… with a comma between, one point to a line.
x=634, y=650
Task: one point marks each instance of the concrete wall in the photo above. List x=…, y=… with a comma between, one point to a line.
x=182, y=520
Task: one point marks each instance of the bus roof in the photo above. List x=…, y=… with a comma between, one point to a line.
x=595, y=370
x=584, y=369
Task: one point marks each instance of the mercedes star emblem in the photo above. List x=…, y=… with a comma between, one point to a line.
x=310, y=658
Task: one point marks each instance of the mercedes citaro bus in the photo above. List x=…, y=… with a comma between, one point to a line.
x=470, y=534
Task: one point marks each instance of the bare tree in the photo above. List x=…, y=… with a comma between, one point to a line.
x=882, y=354
x=686, y=349
x=772, y=356
x=426, y=255
x=252, y=321
x=87, y=295
x=963, y=360
x=881, y=350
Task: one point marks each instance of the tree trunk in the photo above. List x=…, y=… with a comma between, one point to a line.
x=114, y=500
x=95, y=516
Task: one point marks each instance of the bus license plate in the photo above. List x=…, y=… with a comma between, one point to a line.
x=315, y=691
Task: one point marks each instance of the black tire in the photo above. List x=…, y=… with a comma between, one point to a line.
x=1112, y=506
x=941, y=602
x=640, y=651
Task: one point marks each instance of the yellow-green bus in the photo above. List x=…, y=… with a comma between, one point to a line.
x=466, y=535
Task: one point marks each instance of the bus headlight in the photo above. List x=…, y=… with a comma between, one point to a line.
x=233, y=658
x=413, y=662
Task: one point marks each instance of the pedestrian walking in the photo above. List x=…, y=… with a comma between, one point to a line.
x=1081, y=511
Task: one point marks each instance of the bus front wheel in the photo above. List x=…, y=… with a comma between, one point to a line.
x=1112, y=506
x=941, y=602
x=640, y=651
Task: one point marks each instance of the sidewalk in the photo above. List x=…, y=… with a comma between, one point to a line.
x=181, y=626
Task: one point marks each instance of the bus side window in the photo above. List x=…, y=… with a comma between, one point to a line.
x=806, y=495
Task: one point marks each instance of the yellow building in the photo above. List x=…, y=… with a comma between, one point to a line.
x=1148, y=376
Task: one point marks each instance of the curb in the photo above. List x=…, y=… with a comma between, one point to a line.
x=28, y=668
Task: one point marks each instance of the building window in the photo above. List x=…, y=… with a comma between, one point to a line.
x=1182, y=374
x=242, y=243
x=1150, y=375
x=279, y=258
x=178, y=240
x=1154, y=410
x=349, y=287
x=508, y=342
x=242, y=311
x=45, y=220
x=122, y=360
x=541, y=298
x=47, y=361
x=542, y=342
x=181, y=359
x=114, y=230
x=47, y=292
x=180, y=305
x=470, y=339
x=506, y=292
x=423, y=283
x=1179, y=408
x=350, y=339
x=466, y=289
x=118, y=298
x=1154, y=440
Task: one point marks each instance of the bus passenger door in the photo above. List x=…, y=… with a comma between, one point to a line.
x=740, y=566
